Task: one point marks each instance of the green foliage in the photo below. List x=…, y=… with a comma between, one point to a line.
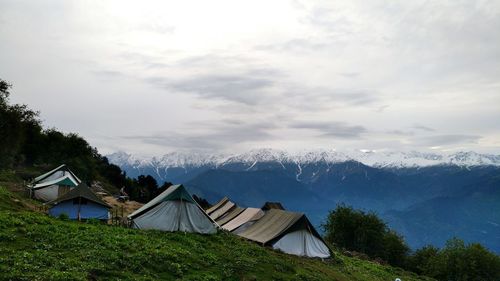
x=63, y=217
x=424, y=260
x=456, y=261
x=37, y=247
x=24, y=143
x=358, y=231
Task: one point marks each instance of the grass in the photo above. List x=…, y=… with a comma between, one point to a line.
x=34, y=246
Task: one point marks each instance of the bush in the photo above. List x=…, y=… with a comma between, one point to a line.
x=63, y=217
x=358, y=231
x=457, y=261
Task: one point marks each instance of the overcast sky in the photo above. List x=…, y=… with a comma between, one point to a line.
x=151, y=77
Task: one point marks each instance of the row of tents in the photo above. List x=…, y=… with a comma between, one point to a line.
x=271, y=225
x=176, y=210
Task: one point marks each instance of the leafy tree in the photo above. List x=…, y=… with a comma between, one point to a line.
x=456, y=261
x=201, y=201
x=24, y=142
x=395, y=249
x=424, y=260
x=356, y=230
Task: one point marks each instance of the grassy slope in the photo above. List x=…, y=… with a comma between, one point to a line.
x=34, y=246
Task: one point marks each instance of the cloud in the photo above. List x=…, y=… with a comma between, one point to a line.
x=106, y=75
x=350, y=74
x=384, y=73
x=236, y=88
x=295, y=45
x=441, y=140
x=217, y=136
x=332, y=129
x=322, y=98
x=423, y=128
x=400, y=133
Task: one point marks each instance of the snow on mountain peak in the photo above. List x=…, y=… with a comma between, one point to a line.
x=392, y=159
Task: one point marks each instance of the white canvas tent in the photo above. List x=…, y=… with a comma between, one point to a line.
x=289, y=232
x=55, y=183
x=173, y=210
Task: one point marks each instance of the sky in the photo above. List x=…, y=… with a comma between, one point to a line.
x=152, y=77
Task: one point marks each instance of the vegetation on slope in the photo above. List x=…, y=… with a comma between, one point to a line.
x=356, y=230
x=37, y=247
x=26, y=145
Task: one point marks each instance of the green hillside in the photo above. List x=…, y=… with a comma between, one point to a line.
x=37, y=247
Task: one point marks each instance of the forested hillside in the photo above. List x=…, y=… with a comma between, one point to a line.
x=28, y=148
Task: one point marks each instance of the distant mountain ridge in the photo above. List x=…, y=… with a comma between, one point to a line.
x=428, y=198
x=383, y=159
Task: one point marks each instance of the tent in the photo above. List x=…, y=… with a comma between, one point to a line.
x=229, y=215
x=80, y=203
x=289, y=232
x=173, y=210
x=272, y=205
x=222, y=210
x=217, y=205
x=53, y=184
x=244, y=219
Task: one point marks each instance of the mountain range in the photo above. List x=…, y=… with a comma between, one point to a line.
x=427, y=197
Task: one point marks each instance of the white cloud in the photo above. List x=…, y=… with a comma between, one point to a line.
x=378, y=74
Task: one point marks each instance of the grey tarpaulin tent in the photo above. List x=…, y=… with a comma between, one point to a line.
x=51, y=185
x=173, y=210
x=289, y=232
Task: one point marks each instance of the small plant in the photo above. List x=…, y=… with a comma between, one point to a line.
x=94, y=221
x=63, y=217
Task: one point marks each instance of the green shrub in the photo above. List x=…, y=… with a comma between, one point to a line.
x=63, y=217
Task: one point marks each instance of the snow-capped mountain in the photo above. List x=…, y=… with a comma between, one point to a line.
x=446, y=191
x=378, y=159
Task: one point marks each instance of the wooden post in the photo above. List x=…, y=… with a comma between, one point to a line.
x=79, y=207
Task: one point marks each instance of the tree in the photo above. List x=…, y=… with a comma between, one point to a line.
x=4, y=92
x=201, y=201
x=356, y=230
x=424, y=260
x=395, y=249
x=456, y=261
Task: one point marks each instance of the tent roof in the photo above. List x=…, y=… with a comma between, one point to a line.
x=63, y=167
x=174, y=192
x=83, y=191
x=65, y=180
x=230, y=215
x=217, y=205
x=227, y=207
x=272, y=205
x=249, y=214
x=276, y=223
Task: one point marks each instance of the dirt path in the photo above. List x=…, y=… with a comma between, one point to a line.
x=128, y=207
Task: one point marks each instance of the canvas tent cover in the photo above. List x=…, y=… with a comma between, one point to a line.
x=80, y=203
x=54, y=183
x=217, y=205
x=222, y=210
x=55, y=176
x=248, y=215
x=288, y=231
x=272, y=205
x=81, y=191
x=173, y=210
x=230, y=215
